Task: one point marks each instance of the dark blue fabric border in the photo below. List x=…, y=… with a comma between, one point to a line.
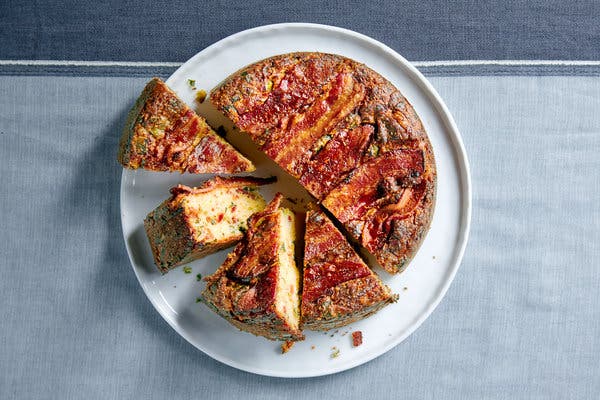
x=510, y=70
x=429, y=70
x=87, y=70
x=129, y=30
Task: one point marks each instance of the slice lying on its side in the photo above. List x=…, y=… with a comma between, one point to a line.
x=256, y=288
x=338, y=287
x=163, y=134
x=195, y=222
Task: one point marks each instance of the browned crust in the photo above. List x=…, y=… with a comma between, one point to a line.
x=246, y=298
x=163, y=134
x=220, y=182
x=291, y=106
x=349, y=302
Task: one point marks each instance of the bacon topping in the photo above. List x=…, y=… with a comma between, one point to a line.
x=372, y=181
x=322, y=276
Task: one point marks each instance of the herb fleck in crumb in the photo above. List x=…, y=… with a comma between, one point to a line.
x=192, y=83
x=312, y=347
x=405, y=288
x=187, y=270
x=199, y=277
x=269, y=85
x=198, y=300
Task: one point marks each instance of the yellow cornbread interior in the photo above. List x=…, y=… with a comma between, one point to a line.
x=222, y=212
x=287, y=302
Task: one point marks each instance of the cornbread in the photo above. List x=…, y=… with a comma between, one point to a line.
x=338, y=287
x=257, y=287
x=163, y=134
x=195, y=222
x=349, y=137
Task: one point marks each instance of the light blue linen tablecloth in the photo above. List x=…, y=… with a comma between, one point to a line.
x=521, y=320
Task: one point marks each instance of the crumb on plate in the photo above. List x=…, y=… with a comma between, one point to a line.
x=201, y=96
x=286, y=346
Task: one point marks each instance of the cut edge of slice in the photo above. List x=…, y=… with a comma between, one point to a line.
x=260, y=298
x=179, y=230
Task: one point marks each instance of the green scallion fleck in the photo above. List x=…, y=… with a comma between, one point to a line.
x=192, y=83
x=187, y=270
x=199, y=277
x=336, y=353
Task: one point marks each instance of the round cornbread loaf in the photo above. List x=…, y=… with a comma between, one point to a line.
x=351, y=139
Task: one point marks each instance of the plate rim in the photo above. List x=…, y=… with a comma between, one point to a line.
x=466, y=206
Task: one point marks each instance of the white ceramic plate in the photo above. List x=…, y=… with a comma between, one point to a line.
x=421, y=286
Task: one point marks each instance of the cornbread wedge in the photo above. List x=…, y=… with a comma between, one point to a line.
x=338, y=287
x=256, y=288
x=350, y=138
x=195, y=222
x=163, y=134
x=386, y=204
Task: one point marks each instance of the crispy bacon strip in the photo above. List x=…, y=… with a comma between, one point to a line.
x=367, y=184
x=290, y=148
x=337, y=158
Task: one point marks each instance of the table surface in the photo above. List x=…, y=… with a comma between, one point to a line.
x=522, y=318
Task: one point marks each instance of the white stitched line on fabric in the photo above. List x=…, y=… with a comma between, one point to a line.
x=415, y=63
x=452, y=63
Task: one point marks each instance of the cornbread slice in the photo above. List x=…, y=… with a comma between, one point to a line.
x=195, y=222
x=338, y=287
x=163, y=134
x=256, y=288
